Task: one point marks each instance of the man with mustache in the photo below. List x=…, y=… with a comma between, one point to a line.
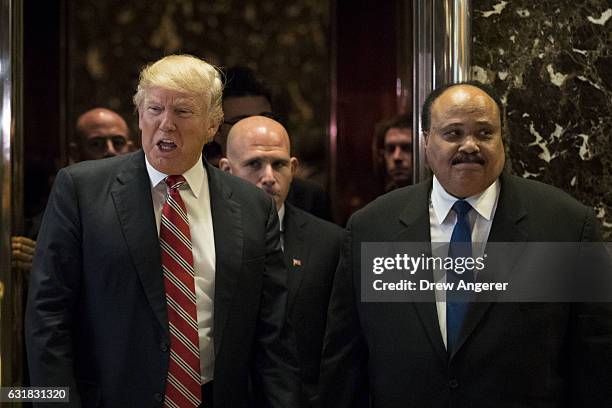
x=258, y=150
x=445, y=352
x=158, y=280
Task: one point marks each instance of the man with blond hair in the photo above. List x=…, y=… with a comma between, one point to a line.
x=158, y=280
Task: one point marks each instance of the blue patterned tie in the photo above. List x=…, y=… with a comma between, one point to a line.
x=460, y=246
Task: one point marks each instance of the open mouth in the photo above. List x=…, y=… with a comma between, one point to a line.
x=166, y=145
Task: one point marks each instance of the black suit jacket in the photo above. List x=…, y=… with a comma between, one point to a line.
x=509, y=354
x=311, y=251
x=310, y=197
x=96, y=317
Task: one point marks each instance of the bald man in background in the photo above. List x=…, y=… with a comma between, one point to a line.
x=258, y=150
x=246, y=95
x=100, y=133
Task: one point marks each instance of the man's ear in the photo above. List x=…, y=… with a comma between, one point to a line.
x=224, y=165
x=210, y=133
x=294, y=164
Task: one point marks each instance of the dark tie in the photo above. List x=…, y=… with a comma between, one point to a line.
x=460, y=246
x=183, y=382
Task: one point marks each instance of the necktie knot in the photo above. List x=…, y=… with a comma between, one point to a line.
x=175, y=182
x=461, y=207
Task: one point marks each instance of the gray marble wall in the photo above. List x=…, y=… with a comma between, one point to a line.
x=551, y=61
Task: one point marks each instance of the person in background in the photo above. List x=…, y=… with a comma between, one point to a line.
x=101, y=133
x=392, y=151
x=158, y=280
x=22, y=252
x=245, y=95
x=460, y=353
x=258, y=150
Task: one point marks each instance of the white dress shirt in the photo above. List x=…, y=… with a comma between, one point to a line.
x=281, y=219
x=196, y=196
x=442, y=222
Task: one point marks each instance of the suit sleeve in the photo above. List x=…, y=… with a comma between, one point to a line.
x=276, y=373
x=53, y=291
x=590, y=343
x=344, y=381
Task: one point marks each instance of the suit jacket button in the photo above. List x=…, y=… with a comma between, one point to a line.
x=163, y=346
x=453, y=383
x=158, y=397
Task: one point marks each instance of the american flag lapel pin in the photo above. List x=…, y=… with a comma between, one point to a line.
x=297, y=262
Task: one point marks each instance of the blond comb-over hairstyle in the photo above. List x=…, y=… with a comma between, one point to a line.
x=186, y=74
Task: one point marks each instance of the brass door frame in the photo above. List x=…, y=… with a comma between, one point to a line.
x=11, y=189
x=441, y=44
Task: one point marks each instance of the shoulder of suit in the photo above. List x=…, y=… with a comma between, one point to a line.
x=537, y=194
x=318, y=224
x=302, y=186
x=103, y=167
x=240, y=188
x=393, y=202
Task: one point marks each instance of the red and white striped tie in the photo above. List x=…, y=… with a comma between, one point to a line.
x=183, y=387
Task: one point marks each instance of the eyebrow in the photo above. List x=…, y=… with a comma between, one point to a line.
x=108, y=136
x=457, y=124
x=453, y=124
x=260, y=158
x=250, y=159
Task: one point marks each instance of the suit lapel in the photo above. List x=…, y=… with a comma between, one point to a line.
x=414, y=220
x=228, y=233
x=131, y=195
x=507, y=227
x=511, y=210
x=295, y=251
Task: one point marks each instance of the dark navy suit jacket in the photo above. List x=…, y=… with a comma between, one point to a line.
x=312, y=249
x=96, y=317
x=508, y=354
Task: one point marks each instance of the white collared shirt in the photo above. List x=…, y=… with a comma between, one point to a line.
x=442, y=222
x=196, y=196
x=281, y=218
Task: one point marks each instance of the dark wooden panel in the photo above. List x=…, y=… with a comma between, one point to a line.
x=366, y=78
x=42, y=84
